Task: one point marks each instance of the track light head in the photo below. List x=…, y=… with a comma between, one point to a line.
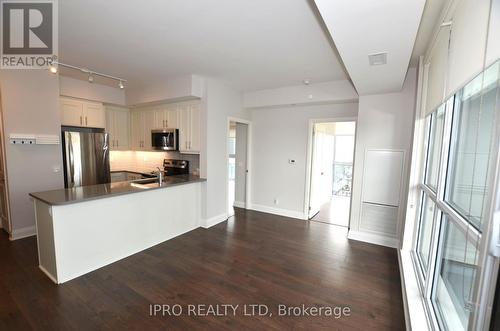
x=53, y=68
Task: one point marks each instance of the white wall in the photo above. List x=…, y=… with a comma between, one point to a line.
x=280, y=134
x=385, y=121
x=219, y=103
x=325, y=92
x=172, y=89
x=241, y=163
x=30, y=104
x=77, y=88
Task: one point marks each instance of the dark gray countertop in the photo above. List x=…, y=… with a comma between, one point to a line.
x=100, y=191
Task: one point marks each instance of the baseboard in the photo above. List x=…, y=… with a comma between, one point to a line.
x=239, y=204
x=214, y=221
x=48, y=274
x=23, y=233
x=372, y=238
x=279, y=211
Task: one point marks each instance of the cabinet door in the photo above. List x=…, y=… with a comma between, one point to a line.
x=136, y=130
x=110, y=127
x=159, y=119
x=184, y=126
x=149, y=124
x=94, y=116
x=171, y=118
x=194, y=142
x=121, y=129
x=71, y=112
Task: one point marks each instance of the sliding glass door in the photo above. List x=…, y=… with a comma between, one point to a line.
x=455, y=208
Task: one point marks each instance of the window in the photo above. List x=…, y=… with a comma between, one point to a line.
x=455, y=275
x=472, y=134
x=434, y=149
x=425, y=231
x=460, y=138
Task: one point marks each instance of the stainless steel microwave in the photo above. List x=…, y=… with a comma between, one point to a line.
x=165, y=139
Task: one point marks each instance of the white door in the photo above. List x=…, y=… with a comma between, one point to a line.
x=71, y=112
x=240, y=184
x=316, y=177
x=94, y=116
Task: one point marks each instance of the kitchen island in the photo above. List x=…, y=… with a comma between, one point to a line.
x=85, y=228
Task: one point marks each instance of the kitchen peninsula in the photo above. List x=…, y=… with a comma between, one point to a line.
x=85, y=228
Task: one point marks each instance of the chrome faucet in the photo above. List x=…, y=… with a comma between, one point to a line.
x=160, y=175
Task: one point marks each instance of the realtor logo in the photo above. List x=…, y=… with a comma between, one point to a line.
x=29, y=37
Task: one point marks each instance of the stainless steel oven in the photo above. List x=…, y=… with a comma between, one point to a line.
x=165, y=139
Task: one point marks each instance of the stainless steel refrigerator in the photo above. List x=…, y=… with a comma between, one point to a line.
x=85, y=156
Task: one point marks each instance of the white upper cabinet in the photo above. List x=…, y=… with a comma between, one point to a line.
x=189, y=128
x=493, y=47
x=141, y=124
x=184, y=116
x=435, y=70
x=94, y=115
x=117, y=126
x=71, y=112
x=467, y=42
x=165, y=117
x=81, y=113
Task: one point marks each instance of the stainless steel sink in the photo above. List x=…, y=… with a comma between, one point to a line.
x=145, y=183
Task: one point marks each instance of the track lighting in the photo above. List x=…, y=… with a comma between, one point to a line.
x=53, y=68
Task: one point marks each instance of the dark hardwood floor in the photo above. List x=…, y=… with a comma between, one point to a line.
x=254, y=258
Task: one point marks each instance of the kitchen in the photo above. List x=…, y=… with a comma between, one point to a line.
x=110, y=152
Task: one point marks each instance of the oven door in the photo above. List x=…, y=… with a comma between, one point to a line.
x=164, y=140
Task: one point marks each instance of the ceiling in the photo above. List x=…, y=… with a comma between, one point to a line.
x=252, y=45
x=363, y=27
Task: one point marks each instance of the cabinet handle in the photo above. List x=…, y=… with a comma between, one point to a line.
x=117, y=143
x=189, y=145
x=166, y=123
x=81, y=121
x=85, y=120
x=186, y=145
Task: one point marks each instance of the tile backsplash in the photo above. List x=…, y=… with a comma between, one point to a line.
x=148, y=161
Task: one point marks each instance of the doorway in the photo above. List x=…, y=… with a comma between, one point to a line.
x=331, y=171
x=237, y=156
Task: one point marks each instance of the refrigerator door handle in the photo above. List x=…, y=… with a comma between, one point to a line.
x=71, y=161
